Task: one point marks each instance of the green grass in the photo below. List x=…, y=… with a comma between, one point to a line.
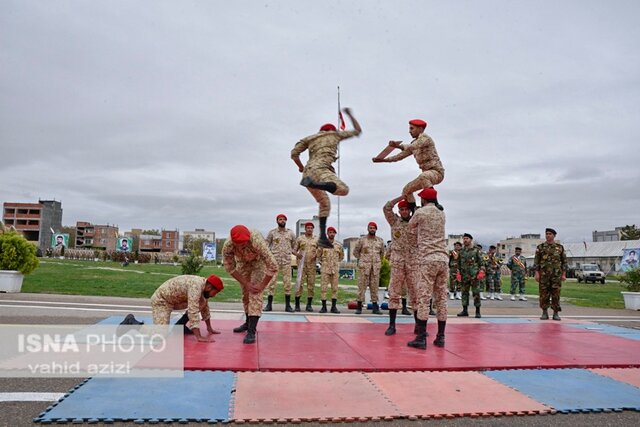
x=74, y=277
x=580, y=294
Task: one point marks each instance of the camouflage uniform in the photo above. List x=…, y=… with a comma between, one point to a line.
x=424, y=151
x=401, y=257
x=310, y=246
x=369, y=251
x=253, y=261
x=330, y=269
x=470, y=263
x=493, y=273
x=484, y=283
x=517, y=273
x=323, y=148
x=179, y=293
x=281, y=243
x=454, y=285
x=550, y=261
x=433, y=269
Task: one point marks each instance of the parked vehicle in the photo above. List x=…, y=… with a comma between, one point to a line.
x=590, y=273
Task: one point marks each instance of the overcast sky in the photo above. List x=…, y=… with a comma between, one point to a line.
x=182, y=114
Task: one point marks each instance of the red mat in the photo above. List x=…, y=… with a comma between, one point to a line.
x=298, y=346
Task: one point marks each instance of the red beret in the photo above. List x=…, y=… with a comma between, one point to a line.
x=429, y=193
x=309, y=224
x=281, y=216
x=216, y=282
x=372, y=224
x=331, y=229
x=240, y=234
x=418, y=122
x=327, y=126
x=403, y=204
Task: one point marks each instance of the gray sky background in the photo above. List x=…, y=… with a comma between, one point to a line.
x=160, y=114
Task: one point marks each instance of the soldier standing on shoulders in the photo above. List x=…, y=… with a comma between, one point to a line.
x=330, y=271
x=306, y=247
x=518, y=266
x=369, y=250
x=550, y=264
x=247, y=259
x=472, y=271
x=403, y=266
x=281, y=241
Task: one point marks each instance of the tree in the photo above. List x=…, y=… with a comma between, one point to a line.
x=630, y=232
x=152, y=232
x=71, y=231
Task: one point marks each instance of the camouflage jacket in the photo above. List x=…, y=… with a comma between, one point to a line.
x=330, y=258
x=403, y=237
x=281, y=243
x=513, y=265
x=369, y=250
x=470, y=262
x=550, y=259
x=308, y=245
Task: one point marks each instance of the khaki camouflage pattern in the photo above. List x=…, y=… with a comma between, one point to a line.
x=424, y=151
x=517, y=273
x=308, y=246
x=281, y=243
x=432, y=284
x=253, y=261
x=551, y=262
x=369, y=251
x=308, y=277
x=401, y=257
x=470, y=263
x=454, y=285
x=323, y=149
x=330, y=268
x=179, y=293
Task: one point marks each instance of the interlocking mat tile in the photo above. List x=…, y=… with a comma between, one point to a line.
x=626, y=375
x=632, y=334
x=571, y=390
x=199, y=396
x=307, y=396
x=427, y=394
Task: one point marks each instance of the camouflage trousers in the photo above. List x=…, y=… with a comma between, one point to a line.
x=432, y=283
x=549, y=288
x=517, y=281
x=403, y=280
x=161, y=312
x=321, y=196
x=470, y=284
x=454, y=285
x=285, y=271
x=493, y=282
x=308, y=276
x=252, y=301
x=428, y=178
x=328, y=278
x=368, y=277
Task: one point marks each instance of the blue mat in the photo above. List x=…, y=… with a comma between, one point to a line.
x=633, y=334
x=199, y=396
x=571, y=390
x=385, y=319
x=507, y=320
x=282, y=318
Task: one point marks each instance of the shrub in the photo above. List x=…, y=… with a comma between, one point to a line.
x=192, y=264
x=16, y=253
x=385, y=273
x=631, y=279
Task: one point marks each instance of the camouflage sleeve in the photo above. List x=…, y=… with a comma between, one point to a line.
x=204, y=310
x=344, y=134
x=480, y=261
x=563, y=260
x=357, y=249
x=319, y=254
x=406, y=152
x=537, y=259
x=299, y=148
x=292, y=242
x=388, y=213
x=194, y=294
x=510, y=263
x=271, y=266
x=340, y=253
x=228, y=257
x=269, y=238
x=415, y=219
x=296, y=246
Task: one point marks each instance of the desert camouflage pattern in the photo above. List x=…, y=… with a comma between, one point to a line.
x=330, y=268
x=281, y=243
x=308, y=246
x=179, y=293
x=401, y=257
x=369, y=251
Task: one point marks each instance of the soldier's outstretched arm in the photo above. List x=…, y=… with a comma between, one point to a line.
x=355, y=123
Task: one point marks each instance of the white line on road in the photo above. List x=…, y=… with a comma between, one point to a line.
x=71, y=308
x=30, y=397
x=74, y=303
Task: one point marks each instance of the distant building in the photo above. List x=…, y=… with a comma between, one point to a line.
x=528, y=243
x=349, y=244
x=170, y=241
x=34, y=220
x=608, y=255
x=167, y=241
x=197, y=234
x=301, y=222
x=92, y=236
x=607, y=236
x=452, y=239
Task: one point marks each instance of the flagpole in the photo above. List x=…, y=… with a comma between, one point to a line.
x=338, y=159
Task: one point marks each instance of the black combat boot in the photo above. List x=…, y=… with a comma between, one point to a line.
x=334, y=309
x=269, y=307
x=244, y=326
x=439, y=341
x=376, y=309
x=431, y=312
x=391, y=330
x=421, y=338
x=323, y=241
x=415, y=318
x=309, y=308
x=287, y=304
x=478, y=315
x=329, y=186
x=464, y=312
x=405, y=311
x=297, y=304
x=324, y=306
x=359, y=308
x=252, y=322
x=545, y=314
x=556, y=316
